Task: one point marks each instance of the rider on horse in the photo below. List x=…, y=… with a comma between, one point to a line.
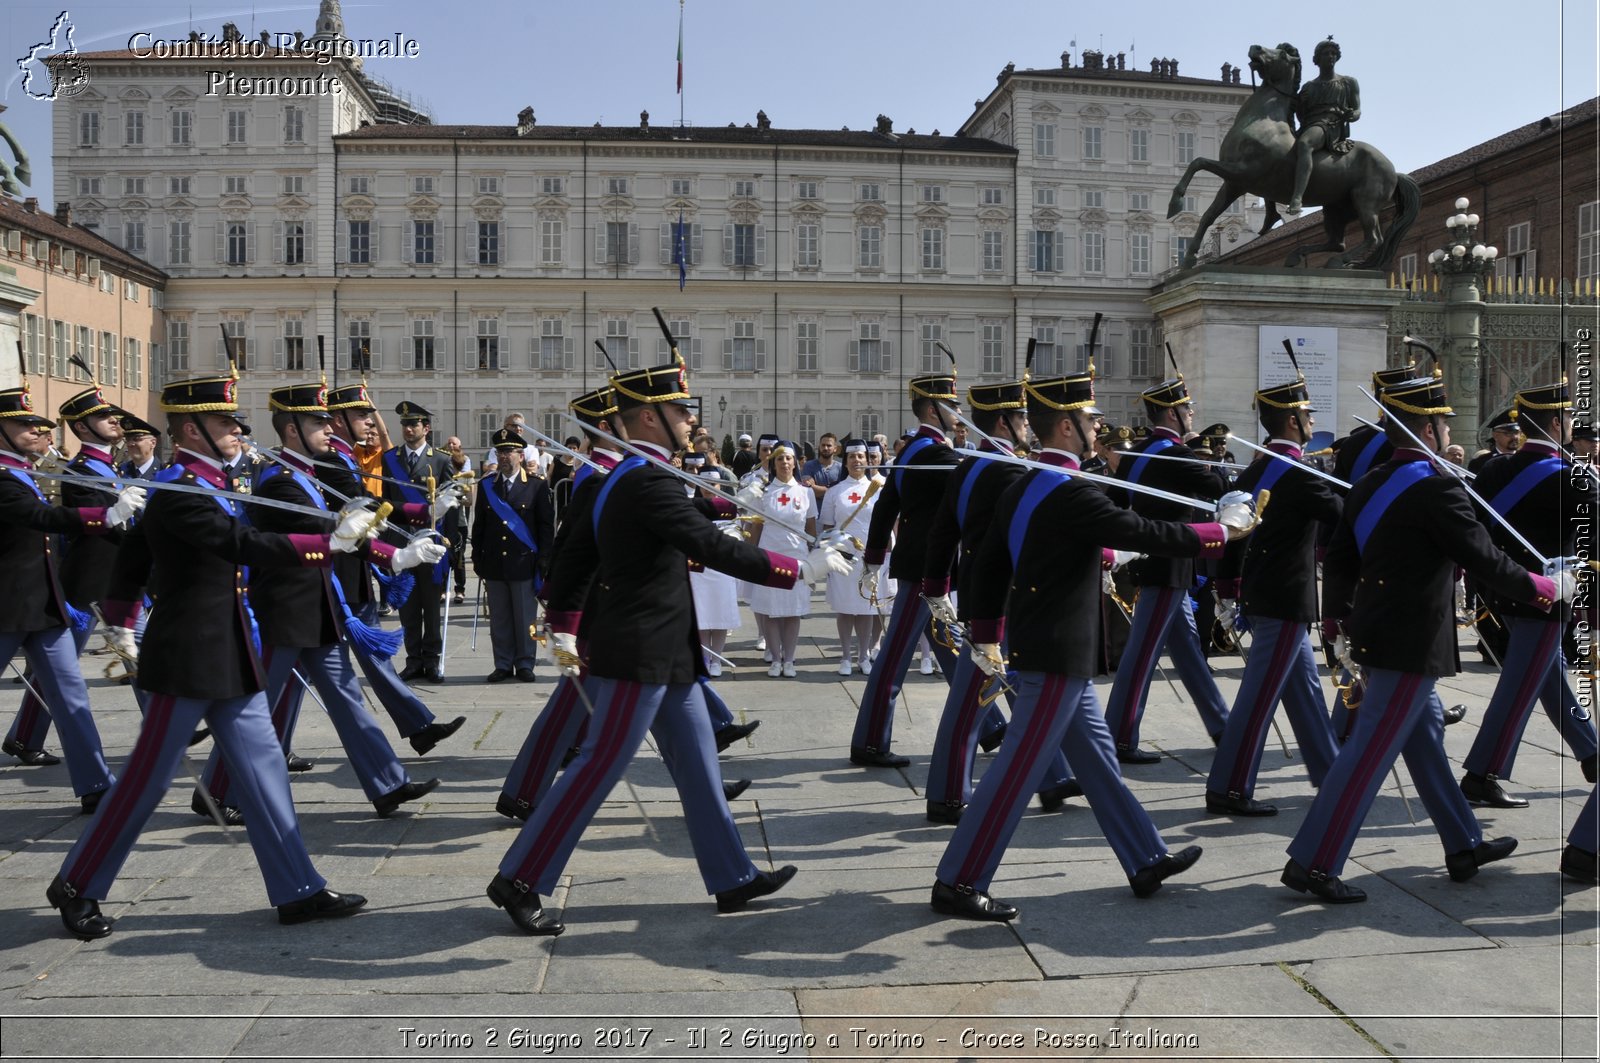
x=1325, y=107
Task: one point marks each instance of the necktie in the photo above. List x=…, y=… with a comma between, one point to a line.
x=411, y=463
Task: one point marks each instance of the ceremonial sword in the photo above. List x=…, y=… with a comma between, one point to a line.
x=193, y=489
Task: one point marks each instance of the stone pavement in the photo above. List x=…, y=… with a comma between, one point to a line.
x=848, y=962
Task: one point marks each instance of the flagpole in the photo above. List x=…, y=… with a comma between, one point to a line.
x=680, y=63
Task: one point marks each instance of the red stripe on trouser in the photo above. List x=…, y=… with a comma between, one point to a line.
x=104, y=829
x=893, y=664
x=608, y=747
x=28, y=715
x=561, y=706
x=1527, y=692
x=1133, y=707
x=1267, y=695
x=1344, y=809
x=221, y=782
x=1019, y=777
x=962, y=736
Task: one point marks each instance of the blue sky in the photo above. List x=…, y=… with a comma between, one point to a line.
x=1434, y=79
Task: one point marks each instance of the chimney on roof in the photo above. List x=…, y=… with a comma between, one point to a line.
x=885, y=126
x=1066, y=60
x=763, y=123
x=1122, y=60
x=31, y=204
x=1227, y=72
x=64, y=212
x=644, y=119
x=525, y=121
x=1174, y=63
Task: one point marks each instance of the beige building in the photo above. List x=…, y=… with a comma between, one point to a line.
x=94, y=300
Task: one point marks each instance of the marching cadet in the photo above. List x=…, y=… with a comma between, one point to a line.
x=354, y=420
x=1273, y=581
x=86, y=566
x=962, y=523
x=142, y=441
x=304, y=619
x=905, y=510
x=1548, y=500
x=1037, y=588
x=1578, y=859
x=644, y=657
x=1388, y=589
x=426, y=503
x=39, y=618
x=1162, y=617
x=189, y=549
x=511, y=535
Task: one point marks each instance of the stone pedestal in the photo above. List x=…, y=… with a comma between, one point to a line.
x=1213, y=318
x=13, y=297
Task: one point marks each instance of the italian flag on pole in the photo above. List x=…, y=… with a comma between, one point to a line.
x=680, y=47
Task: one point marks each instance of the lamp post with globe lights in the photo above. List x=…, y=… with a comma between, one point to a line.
x=1461, y=266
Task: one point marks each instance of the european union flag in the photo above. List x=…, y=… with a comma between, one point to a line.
x=680, y=250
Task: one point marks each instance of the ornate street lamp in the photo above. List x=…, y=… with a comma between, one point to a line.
x=722, y=412
x=1461, y=265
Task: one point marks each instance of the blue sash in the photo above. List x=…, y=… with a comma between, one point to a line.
x=916, y=446
x=1136, y=469
x=1044, y=481
x=1384, y=497
x=1508, y=496
x=102, y=469
x=1270, y=478
x=408, y=490
x=1369, y=453
x=229, y=506
x=583, y=473
x=627, y=466
x=974, y=470
x=170, y=475
x=508, y=516
x=76, y=618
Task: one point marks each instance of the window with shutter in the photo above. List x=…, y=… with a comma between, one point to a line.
x=423, y=355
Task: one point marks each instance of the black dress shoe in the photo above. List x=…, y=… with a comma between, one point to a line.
x=1236, y=804
x=991, y=742
x=90, y=802
x=424, y=740
x=1485, y=790
x=867, y=757
x=1454, y=714
x=33, y=758
x=1135, y=755
x=1147, y=880
x=411, y=671
x=499, y=675
x=732, y=790
x=525, y=675
x=964, y=902
x=1463, y=865
x=199, y=736
x=945, y=812
x=511, y=808
x=433, y=675
x=1590, y=766
x=230, y=814
x=80, y=915
x=727, y=736
x=764, y=883
x=523, y=906
x=323, y=904
x=297, y=763
x=1323, y=886
x=1054, y=798
x=1580, y=865
x=407, y=791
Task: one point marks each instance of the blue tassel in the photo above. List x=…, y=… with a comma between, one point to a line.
x=398, y=588
x=374, y=642
x=79, y=619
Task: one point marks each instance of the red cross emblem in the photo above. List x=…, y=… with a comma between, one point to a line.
x=783, y=499
x=854, y=496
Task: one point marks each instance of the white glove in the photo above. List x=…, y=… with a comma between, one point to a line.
x=1122, y=557
x=869, y=580
x=563, y=649
x=822, y=560
x=942, y=608
x=1227, y=612
x=122, y=644
x=356, y=522
x=130, y=500
x=1236, y=512
x=749, y=496
x=1341, y=652
x=448, y=498
x=986, y=655
x=1107, y=584
x=732, y=530
x=418, y=552
x=1566, y=585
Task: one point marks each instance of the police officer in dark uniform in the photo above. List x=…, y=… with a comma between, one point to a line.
x=511, y=538
x=426, y=503
x=190, y=550
x=142, y=442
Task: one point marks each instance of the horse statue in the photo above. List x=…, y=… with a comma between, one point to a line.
x=1258, y=158
x=11, y=176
